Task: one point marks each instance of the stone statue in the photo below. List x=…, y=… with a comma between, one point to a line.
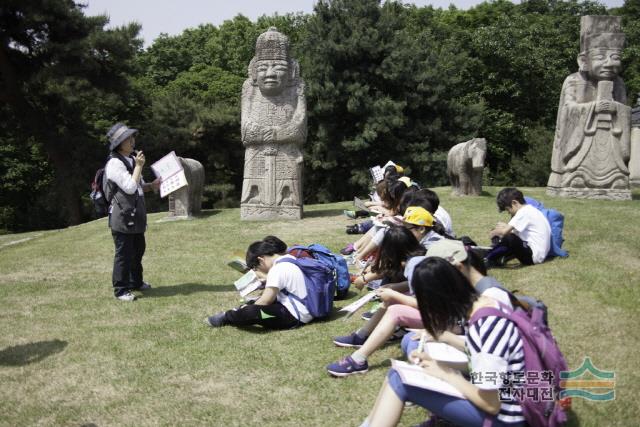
x=591, y=147
x=274, y=127
x=187, y=201
x=465, y=164
x=634, y=161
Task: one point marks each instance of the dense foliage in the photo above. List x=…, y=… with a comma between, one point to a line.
x=383, y=81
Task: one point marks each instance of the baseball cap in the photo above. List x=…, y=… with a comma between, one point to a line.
x=417, y=215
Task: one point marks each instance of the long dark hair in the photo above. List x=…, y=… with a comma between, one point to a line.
x=397, y=246
x=444, y=295
x=395, y=189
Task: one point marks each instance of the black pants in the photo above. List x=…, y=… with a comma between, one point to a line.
x=273, y=316
x=511, y=244
x=127, y=262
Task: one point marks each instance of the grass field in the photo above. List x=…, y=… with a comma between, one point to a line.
x=72, y=355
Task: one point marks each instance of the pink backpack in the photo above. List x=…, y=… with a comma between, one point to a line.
x=541, y=354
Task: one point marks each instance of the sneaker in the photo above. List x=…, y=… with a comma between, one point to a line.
x=216, y=320
x=350, y=214
x=348, y=250
x=353, y=229
x=346, y=367
x=126, y=296
x=352, y=340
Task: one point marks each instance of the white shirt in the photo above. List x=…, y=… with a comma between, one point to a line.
x=532, y=227
x=287, y=276
x=117, y=172
x=444, y=218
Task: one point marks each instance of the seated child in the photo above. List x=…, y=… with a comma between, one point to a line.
x=444, y=298
x=527, y=236
x=274, y=309
x=405, y=312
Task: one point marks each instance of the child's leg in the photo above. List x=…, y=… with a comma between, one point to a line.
x=396, y=315
x=273, y=316
x=387, y=409
x=460, y=412
x=364, y=239
x=517, y=247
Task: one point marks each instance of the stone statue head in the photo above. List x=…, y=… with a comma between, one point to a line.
x=601, y=43
x=272, y=69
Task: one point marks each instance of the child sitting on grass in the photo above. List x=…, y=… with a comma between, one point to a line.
x=445, y=296
x=274, y=309
x=527, y=236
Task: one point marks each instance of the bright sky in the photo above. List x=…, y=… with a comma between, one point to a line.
x=174, y=16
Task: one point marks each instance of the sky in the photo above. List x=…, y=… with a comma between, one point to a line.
x=174, y=16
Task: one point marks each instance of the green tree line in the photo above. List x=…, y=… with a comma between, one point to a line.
x=383, y=81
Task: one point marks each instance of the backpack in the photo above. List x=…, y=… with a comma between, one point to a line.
x=335, y=262
x=99, y=190
x=320, y=284
x=541, y=353
x=556, y=222
x=97, y=195
x=525, y=302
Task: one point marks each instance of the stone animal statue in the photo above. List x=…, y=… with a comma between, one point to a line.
x=187, y=201
x=465, y=164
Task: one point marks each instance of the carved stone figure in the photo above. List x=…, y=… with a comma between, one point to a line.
x=591, y=147
x=274, y=127
x=634, y=161
x=465, y=164
x=187, y=201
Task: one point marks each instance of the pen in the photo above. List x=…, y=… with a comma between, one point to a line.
x=423, y=339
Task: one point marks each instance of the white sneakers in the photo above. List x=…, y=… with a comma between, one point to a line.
x=127, y=296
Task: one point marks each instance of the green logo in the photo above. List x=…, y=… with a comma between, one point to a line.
x=600, y=386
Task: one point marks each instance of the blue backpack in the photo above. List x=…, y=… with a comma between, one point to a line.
x=556, y=221
x=320, y=283
x=335, y=262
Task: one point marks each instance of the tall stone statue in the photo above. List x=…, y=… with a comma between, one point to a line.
x=592, y=140
x=634, y=161
x=274, y=127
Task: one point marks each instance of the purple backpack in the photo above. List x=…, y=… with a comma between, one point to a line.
x=541, y=353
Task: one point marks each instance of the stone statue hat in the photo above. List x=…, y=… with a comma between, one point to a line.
x=119, y=133
x=601, y=31
x=272, y=44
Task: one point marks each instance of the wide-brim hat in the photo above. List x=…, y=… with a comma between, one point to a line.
x=118, y=134
x=451, y=250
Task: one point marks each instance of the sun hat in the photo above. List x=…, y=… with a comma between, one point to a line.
x=451, y=250
x=118, y=134
x=407, y=181
x=416, y=215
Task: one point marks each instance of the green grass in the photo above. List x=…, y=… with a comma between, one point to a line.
x=71, y=355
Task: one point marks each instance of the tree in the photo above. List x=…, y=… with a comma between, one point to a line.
x=377, y=89
x=64, y=80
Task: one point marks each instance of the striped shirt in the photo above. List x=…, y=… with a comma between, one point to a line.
x=496, y=352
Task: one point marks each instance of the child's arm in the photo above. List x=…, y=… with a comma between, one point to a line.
x=268, y=296
x=390, y=296
x=501, y=229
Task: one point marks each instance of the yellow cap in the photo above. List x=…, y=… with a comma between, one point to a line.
x=417, y=215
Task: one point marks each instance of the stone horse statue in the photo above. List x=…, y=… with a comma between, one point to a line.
x=465, y=164
x=187, y=201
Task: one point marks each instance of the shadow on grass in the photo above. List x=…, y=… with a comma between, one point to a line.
x=320, y=213
x=186, y=289
x=24, y=354
x=207, y=213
